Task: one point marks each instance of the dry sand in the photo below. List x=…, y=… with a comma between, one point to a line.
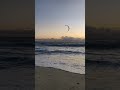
x=107, y=79
x=17, y=78
x=54, y=79
x=22, y=78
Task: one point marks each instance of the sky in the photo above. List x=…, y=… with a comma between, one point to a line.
x=17, y=14
x=103, y=13
x=51, y=16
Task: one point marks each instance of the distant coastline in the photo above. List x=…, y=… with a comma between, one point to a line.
x=63, y=38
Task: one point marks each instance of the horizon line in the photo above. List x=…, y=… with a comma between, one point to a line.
x=59, y=38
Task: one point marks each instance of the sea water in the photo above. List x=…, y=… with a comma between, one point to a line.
x=65, y=57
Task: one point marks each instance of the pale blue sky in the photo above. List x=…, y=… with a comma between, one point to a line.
x=51, y=16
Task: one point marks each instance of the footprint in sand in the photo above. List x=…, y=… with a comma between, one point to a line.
x=74, y=87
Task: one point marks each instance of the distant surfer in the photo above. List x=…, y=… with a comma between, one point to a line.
x=68, y=27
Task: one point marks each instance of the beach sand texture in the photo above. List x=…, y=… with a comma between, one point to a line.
x=55, y=79
x=17, y=78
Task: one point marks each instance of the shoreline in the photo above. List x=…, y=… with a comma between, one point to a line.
x=56, y=79
x=62, y=70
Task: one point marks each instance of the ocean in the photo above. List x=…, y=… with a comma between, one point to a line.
x=65, y=56
x=16, y=53
x=103, y=59
x=102, y=68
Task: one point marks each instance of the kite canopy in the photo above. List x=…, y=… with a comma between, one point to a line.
x=68, y=27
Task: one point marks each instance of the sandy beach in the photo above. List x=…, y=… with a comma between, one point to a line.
x=55, y=79
x=17, y=78
x=102, y=78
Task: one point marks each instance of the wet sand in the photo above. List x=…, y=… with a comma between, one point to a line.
x=54, y=79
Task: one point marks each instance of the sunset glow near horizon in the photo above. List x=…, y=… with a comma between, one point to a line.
x=51, y=16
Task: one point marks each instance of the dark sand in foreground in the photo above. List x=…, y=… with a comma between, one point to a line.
x=17, y=78
x=102, y=79
x=54, y=79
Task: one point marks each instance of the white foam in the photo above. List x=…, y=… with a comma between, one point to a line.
x=64, y=62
